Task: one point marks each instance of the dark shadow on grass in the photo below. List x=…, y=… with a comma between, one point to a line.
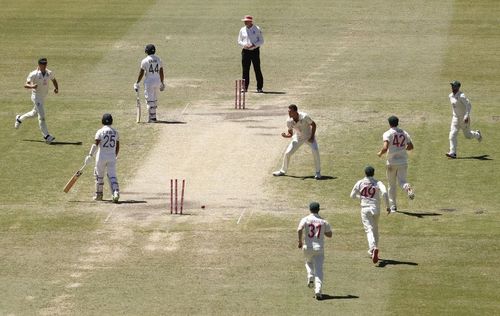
x=53, y=143
x=482, y=157
x=165, y=122
x=419, y=215
x=338, y=297
x=311, y=177
x=274, y=92
x=385, y=262
x=131, y=202
x=109, y=201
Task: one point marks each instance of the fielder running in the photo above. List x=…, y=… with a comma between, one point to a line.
x=302, y=129
x=38, y=82
x=461, y=107
x=312, y=244
x=369, y=190
x=396, y=144
x=152, y=70
x=107, y=145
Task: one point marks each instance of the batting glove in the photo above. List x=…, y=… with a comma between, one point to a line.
x=88, y=159
x=136, y=87
x=162, y=86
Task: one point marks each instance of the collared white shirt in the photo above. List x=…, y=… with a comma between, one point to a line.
x=42, y=82
x=250, y=36
x=108, y=138
x=398, y=139
x=301, y=128
x=151, y=66
x=369, y=190
x=460, y=105
x=314, y=229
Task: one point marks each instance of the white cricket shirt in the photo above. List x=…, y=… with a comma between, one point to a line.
x=42, y=80
x=370, y=190
x=460, y=104
x=250, y=36
x=301, y=128
x=314, y=229
x=398, y=139
x=151, y=66
x=108, y=138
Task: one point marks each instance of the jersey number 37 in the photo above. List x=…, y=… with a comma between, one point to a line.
x=314, y=230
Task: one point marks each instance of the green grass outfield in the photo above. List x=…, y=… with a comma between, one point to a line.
x=355, y=63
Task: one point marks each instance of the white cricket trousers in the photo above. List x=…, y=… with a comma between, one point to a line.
x=314, y=267
x=151, y=93
x=369, y=218
x=101, y=164
x=37, y=109
x=396, y=174
x=456, y=125
x=292, y=148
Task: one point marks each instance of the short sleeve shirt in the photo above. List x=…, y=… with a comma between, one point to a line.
x=42, y=81
x=370, y=190
x=301, y=128
x=108, y=138
x=314, y=229
x=151, y=66
x=398, y=139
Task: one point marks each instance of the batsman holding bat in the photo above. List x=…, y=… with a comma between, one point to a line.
x=107, y=146
x=152, y=71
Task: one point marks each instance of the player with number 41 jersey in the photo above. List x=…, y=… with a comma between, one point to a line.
x=396, y=143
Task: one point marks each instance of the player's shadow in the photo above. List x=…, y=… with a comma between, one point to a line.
x=169, y=122
x=53, y=143
x=311, y=177
x=386, y=262
x=419, y=215
x=338, y=297
x=131, y=202
x=273, y=92
x=481, y=157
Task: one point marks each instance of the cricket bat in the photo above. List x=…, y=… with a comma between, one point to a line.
x=138, y=116
x=73, y=179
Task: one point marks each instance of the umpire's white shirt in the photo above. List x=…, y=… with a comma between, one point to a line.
x=42, y=82
x=460, y=104
x=301, y=128
x=151, y=66
x=250, y=36
x=108, y=137
x=314, y=229
x=398, y=139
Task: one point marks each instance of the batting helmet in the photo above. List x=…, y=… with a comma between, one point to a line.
x=107, y=119
x=150, y=49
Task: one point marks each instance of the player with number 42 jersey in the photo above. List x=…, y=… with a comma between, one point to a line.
x=396, y=143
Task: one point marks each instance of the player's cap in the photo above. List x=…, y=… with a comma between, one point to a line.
x=107, y=119
x=369, y=171
x=42, y=61
x=247, y=18
x=455, y=83
x=314, y=207
x=393, y=121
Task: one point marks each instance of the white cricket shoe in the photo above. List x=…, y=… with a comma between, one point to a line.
x=394, y=209
x=310, y=283
x=17, y=122
x=49, y=139
x=98, y=197
x=480, y=138
x=116, y=196
x=278, y=173
x=317, y=176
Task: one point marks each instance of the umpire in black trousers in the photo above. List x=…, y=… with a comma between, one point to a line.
x=250, y=39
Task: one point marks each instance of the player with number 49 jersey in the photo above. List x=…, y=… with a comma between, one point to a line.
x=397, y=139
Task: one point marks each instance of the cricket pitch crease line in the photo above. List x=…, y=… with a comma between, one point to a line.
x=241, y=216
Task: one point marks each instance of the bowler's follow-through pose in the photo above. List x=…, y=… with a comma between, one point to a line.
x=38, y=82
x=107, y=145
x=152, y=70
x=369, y=190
